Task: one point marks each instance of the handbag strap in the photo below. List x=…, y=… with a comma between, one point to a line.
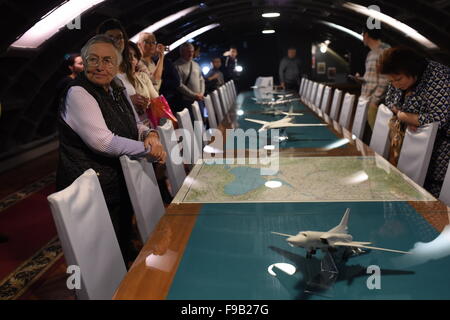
x=189, y=75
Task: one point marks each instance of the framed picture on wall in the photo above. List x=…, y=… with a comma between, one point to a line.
x=321, y=67
x=331, y=73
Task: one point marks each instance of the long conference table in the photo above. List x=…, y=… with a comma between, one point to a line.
x=215, y=240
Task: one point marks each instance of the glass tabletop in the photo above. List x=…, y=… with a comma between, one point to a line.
x=242, y=259
x=299, y=179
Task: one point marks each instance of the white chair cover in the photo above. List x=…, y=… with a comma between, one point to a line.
x=318, y=99
x=336, y=104
x=445, y=191
x=302, y=84
x=379, y=141
x=359, y=123
x=87, y=236
x=191, y=145
x=308, y=87
x=416, y=152
x=347, y=110
x=199, y=126
x=313, y=93
x=326, y=100
x=229, y=94
x=217, y=106
x=174, y=161
x=211, y=113
x=233, y=89
x=144, y=194
x=223, y=100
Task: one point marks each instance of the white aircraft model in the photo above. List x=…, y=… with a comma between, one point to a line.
x=336, y=237
x=277, y=112
x=273, y=102
x=285, y=122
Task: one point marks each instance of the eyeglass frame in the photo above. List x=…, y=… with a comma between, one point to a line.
x=150, y=42
x=107, y=64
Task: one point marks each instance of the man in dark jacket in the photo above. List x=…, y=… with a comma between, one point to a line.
x=289, y=71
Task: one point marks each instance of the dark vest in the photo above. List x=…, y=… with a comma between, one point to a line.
x=75, y=156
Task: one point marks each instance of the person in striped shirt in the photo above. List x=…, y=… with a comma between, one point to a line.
x=374, y=85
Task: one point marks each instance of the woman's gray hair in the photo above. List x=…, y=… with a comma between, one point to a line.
x=100, y=38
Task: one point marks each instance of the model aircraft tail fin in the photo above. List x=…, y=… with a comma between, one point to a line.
x=343, y=226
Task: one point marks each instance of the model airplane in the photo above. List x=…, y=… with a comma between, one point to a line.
x=272, y=102
x=284, y=123
x=280, y=113
x=336, y=237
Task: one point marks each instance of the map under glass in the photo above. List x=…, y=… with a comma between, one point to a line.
x=299, y=179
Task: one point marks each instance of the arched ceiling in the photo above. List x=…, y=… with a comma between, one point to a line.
x=28, y=76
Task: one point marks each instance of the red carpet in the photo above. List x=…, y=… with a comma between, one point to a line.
x=29, y=226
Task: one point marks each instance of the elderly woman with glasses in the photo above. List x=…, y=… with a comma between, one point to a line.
x=152, y=60
x=418, y=94
x=98, y=124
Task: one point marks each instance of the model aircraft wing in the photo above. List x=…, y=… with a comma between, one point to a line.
x=285, y=125
x=291, y=113
x=360, y=245
x=256, y=121
x=282, y=234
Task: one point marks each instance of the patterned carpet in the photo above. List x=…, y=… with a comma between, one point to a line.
x=29, y=271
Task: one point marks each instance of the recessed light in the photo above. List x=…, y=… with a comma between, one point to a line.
x=269, y=31
x=270, y=15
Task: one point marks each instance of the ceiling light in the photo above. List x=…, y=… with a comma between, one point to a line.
x=192, y=35
x=205, y=70
x=268, y=31
x=270, y=15
x=52, y=22
x=400, y=26
x=343, y=29
x=164, y=22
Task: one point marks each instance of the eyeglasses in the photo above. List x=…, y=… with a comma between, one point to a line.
x=150, y=42
x=94, y=61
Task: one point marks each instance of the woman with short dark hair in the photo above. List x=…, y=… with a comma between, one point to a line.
x=419, y=93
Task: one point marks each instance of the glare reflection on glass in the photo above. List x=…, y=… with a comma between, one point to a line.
x=240, y=112
x=209, y=149
x=424, y=252
x=273, y=184
x=356, y=178
x=269, y=147
x=337, y=144
x=285, y=267
x=163, y=262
